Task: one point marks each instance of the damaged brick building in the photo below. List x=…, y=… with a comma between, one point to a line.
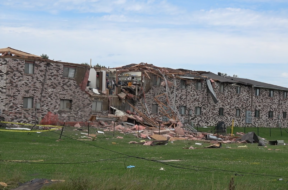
x=47, y=91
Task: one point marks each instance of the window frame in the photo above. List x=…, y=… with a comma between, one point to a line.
x=68, y=73
x=257, y=91
x=65, y=100
x=153, y=109
x=198, y=85
x=221, y=111
x=221, y=88
x=190, y=112
x=198, y=108
x=182, y=84
x=238, y=89
x=33, y=66
x=284, y=115
x=238, y=112
x=180, y=111
x=97, y=102
x=257, y=113
x=285, y=95
x=271, y=93
x=270, y=114
x=27, y=106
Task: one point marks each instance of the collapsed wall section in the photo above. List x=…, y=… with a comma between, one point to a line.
x=190, y=97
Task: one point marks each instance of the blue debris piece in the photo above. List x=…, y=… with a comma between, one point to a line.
x=130, y=166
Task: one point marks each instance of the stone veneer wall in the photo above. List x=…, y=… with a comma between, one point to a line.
x=3, y=69
x=229, y=100
x=55, y=87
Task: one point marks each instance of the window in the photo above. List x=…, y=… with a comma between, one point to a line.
x=28, y=102
x=198, y=111
x=238, y=89
x=284, y=115
x=257, y=91
x=237, y=112
x=270, y=114
x=221, y=88
x=284, y=95
x=198, y=85
x=29, y=68
x=190, y=112
x=158, y=81
x=221, y=111
x=97, y=106
x=155, y=80
x=271, y=93
x=257, y=113
x=65, y=104
x=182, y=110
x=183, y=84
x=155, y=108
x=69, y=72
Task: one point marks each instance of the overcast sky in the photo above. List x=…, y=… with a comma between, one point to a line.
x=248, y=38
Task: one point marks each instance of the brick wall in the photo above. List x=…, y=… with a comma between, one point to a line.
x=229, y=100
x=55, y=87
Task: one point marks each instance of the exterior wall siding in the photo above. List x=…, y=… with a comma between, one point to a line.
x=3, y=70
x=229, y=100
x=46, y=88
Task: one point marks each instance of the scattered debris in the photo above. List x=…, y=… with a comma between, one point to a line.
x=245, y=146
x=3, y=184
x=130, y=166
x=217, y=145
x=277, y=142
x=162, y=169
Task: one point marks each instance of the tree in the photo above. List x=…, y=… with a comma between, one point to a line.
x=44, y=56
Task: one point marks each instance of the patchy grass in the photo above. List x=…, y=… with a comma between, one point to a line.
x=101, y=164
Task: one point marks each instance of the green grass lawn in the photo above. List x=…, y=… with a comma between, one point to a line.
x=101, y=164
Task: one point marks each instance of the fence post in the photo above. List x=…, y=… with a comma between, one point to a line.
x=270, y=131
x=88, y=127
x=62, y=130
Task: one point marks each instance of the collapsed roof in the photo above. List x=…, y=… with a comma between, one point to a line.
x=17, y=53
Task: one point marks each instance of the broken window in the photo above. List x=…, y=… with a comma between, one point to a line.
x=65, y=104
x=198, y=111
x=257, y=91
x=183, y=84
x=238, y=89
x=271, y=93
x=221, y=111
x=182, y=110
x=257, y=113
x=270, y=114
x=237, y=112
x=221, y=88
x=28, y=102
x=97, y=106
x=284, y=115
x=284, y=95
x=29, y=68
x=198, y=85
x=69, y=72
x=154, y=108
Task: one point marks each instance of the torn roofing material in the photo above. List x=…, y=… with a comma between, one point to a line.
x=8, y=51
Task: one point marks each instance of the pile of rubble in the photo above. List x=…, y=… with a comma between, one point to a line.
x=153, y=136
